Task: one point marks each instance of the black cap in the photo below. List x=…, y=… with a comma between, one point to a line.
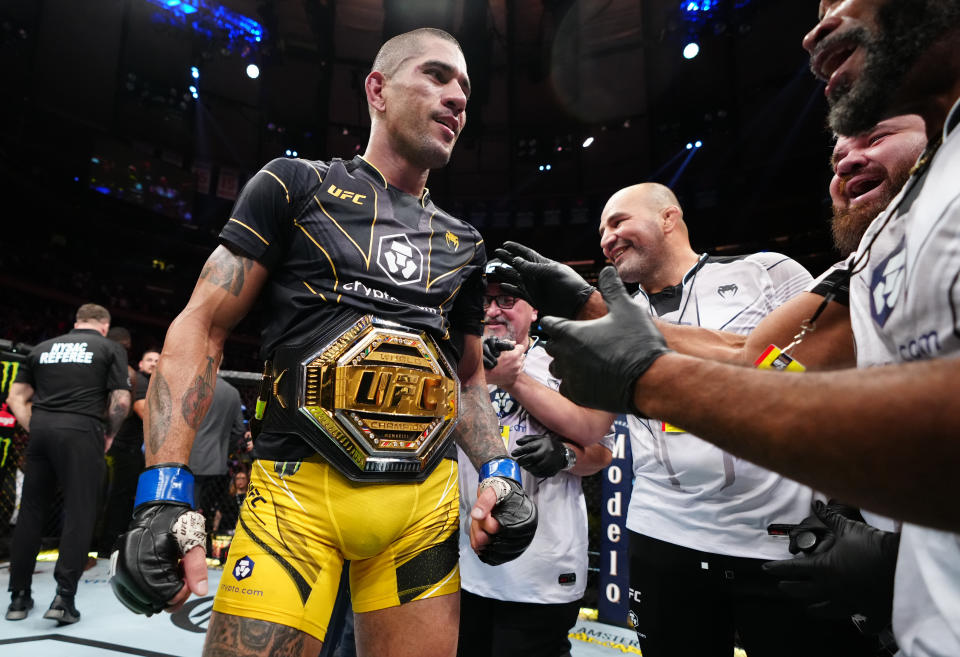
x=498, y=271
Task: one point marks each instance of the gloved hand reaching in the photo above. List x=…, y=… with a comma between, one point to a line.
x=599, y=360
x=552, y=287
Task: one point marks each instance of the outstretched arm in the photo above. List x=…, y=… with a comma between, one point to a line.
x=883, y=438
x=830, y=346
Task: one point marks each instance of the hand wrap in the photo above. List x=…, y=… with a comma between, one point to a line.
x=598, y=361
x=515, y=511
x=144, y=570
x=552, y=287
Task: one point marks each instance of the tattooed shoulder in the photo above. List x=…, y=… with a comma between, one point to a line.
x=226, y=269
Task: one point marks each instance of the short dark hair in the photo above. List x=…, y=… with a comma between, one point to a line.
x=91, y=312
x=393, y=53
x=120, y=335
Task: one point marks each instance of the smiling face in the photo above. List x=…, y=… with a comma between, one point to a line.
x=866, y=51
x=511, y=323
x=425, y=101
x=869, y=170
x=632, y=234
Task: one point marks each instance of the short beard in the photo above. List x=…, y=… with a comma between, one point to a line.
x=906, y=28
x=849, y=224
x=423, y=153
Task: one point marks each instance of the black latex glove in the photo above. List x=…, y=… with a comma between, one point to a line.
x=541, y=454
x=811, y=533
x=849, y=572
x=599, y=360
x=552, y=287
x=492, y=348
x=517, y=515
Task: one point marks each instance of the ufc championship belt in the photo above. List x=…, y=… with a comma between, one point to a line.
x=376, y=399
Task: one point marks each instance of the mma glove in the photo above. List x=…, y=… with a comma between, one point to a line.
x=598, y=361
x=850, y=570
x=144, y=570
x=492, y=348
x=542, y=455
x=515, y=511
x=552, y=287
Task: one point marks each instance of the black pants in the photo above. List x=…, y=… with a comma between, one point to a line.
x=68, y=449
x=127, y=464
x=495, y=628
x=681, y=608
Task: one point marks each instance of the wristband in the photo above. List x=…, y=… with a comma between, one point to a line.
x=165, y=482
x=501, y=467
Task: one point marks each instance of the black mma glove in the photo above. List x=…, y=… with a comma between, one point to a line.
x=144, y=570
x=515, y=511
x=850, y=571
x=552, y=287
x=492, y=348
x=599, y=360
x=542, y=455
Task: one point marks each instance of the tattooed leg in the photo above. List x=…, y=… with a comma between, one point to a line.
x=234, y=636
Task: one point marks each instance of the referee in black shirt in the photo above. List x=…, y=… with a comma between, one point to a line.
x=62, y=394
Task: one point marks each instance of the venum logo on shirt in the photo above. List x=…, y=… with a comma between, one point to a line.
x=727, y=290
x=886, y=283
x=400, y=260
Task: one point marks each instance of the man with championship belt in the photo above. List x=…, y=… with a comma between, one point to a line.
x=374, y=300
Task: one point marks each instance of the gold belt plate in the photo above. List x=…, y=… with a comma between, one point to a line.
x=383, y=393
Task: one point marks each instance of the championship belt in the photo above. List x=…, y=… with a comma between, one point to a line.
x=377, y=399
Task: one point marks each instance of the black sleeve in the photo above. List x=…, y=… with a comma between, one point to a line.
x=24, y=371
x=118, y=376
x=140, y=390
x=836, y=281
x=467, y=313
x=268, y=204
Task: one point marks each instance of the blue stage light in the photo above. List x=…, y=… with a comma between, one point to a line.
x=691, y=50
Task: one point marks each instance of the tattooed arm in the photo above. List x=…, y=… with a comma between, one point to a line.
x=118, y=407
x=478, y=432
x=181, y=390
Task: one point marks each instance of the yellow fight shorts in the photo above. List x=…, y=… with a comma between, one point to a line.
x=301, y=519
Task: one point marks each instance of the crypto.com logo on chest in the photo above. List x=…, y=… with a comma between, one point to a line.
x=400, y=260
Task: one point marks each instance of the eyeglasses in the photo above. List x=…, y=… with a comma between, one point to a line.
x=504, y=301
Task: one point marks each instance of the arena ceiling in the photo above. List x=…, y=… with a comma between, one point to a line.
x=88, y=77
